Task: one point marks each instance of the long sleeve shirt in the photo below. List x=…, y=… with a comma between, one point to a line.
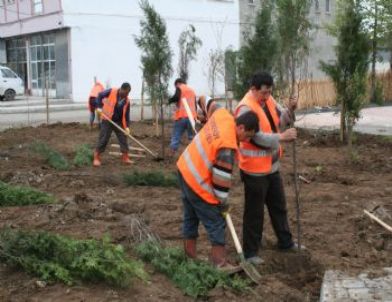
x=176, y=97
x=118, y=109
x=222, y=172
x=270, y=140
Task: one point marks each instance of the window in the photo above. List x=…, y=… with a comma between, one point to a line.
x=317, y=5
x=8, y=73
x=251, y=1
x=37, y=7
x=327, y=6
x=9, y=2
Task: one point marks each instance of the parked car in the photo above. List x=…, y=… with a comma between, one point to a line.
x=10, y=84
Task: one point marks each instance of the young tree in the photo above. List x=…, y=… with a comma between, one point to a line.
x=156, y=58
x=216, y=68
x=189, y=43
x=349, y=72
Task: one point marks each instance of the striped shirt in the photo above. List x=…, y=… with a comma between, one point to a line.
x=222, y=172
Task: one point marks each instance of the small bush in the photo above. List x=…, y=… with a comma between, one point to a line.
x=84, y=156
x=152, y=178
x=194, y=278
x=52, y=157
x=58, y=258
x=22, y=196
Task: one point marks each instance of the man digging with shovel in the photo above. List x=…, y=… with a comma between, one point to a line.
x=205, y=172
x=115, y=109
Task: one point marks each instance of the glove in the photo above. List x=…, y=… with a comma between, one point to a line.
x=224, y=208
x=127, y=131
x=98, y=111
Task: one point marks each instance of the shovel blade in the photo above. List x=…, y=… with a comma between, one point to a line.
x=251, y=271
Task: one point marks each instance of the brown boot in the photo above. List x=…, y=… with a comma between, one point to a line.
x=125, y=159
x=97, y=159
x=190, y=248
x=218, y=258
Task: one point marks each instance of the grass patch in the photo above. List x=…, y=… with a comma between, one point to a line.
x=150, y=178
x=194, y=278
x=84, y=156
x=52, y=157
x=53, y=257
x=22, y=196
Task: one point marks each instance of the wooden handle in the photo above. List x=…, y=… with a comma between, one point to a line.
x=233, y=233
x=189, y=113
x=378, y=220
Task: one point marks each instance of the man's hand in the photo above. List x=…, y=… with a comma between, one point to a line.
x=224, y=207
x=289, y=135
x=98, y=111
x=127, y=131
x=293, y=103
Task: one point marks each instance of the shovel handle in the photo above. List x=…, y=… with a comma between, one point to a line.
x=130, y=136
x=189, y=114
x=233, y=234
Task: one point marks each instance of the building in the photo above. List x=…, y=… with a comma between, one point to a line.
x=66, y=43
x=322, y=13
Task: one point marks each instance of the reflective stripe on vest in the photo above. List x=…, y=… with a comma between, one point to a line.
x=190, y=96
x=110, y=104
x=253, y=159
x=196, y=162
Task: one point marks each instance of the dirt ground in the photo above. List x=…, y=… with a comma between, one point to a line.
x=93, y=202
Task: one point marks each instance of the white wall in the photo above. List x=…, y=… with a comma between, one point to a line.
x=102, y=39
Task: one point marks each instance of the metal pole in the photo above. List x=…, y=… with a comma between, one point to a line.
x=47, y=99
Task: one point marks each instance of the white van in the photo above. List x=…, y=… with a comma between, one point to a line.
x=10, y=84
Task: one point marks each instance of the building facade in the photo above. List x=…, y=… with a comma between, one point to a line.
x=321, y=14
x=64, y=44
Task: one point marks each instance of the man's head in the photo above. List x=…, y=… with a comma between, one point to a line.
x=206, y=105
x=261, y=85
x=125, y=90
x=247, y=125
x=178, y=82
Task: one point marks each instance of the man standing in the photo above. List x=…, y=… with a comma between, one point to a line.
x=259, y=165
x=115, y=108
x=181, y=120
x=205, y=172
x=97, y=89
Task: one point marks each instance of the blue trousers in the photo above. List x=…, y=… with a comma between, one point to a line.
x=196, y=210
x=180, y=126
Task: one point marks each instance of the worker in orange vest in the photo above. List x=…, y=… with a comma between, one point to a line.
x=116, y=108
x=181, y=120
x=259, y=162
x=205, y=172
x=95, y=90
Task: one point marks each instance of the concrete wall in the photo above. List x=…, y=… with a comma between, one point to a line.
x=102, y=39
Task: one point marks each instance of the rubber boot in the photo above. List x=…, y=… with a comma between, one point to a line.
x=218, y=258
x=125, y=159
x=97, y=159
x=190, y=248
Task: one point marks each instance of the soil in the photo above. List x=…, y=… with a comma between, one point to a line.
x=93, y=202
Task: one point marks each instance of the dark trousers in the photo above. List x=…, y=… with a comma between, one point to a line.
x=104, y=136
x=260, y=190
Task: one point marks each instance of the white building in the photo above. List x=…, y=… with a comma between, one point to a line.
x=71, y=41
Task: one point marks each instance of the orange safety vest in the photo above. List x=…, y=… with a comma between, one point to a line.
x=196, y=162
x=254, y=159
x=190, y=96
x=97, y=89
x=110, y=104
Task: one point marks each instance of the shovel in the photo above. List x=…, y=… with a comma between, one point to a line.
x=132, y=138
x=248, y=268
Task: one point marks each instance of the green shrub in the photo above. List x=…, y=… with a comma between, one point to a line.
x=22, y=196
x=150, y=178
x=194, y=278
x=84, y=156
x=52, y=157
x=53, y=257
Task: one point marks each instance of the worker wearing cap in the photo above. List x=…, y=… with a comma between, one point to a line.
x=259, y=162
x=115, y=107
x=205, y=173
x=181, y=119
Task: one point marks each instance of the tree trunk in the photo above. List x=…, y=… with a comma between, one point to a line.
x=374, y=55
x=162, y=129
x=343, y=122
x=350, y=136
x=156, y=119
x=142, y=103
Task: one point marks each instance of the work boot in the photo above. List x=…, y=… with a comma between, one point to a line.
x=218, y=258
x=125, y=159
x=190, y=248
x=97, y=159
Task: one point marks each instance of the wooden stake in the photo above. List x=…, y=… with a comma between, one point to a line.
x=378, y=220
x=130, y=148
x=129, y=154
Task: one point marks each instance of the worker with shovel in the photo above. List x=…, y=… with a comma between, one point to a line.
x=95, y=90
x=181, y=120
x=205, y=172
x=259, y=164
x=114, y=110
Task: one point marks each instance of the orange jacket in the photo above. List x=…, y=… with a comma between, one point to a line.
x=254, y=159
x=190, y=96
x=196, y=162
x=110, y=104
